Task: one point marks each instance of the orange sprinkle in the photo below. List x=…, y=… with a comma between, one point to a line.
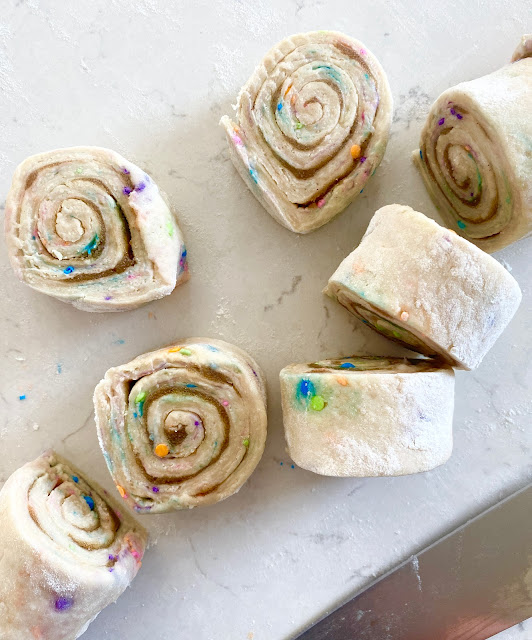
x=288, y=90
x=355, y=151
x=161, y=450
x=174, y=349
x=467, y=147
x=121, y=491
x=341, y=380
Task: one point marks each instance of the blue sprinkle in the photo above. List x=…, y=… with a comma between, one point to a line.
x=421, y=154
x=141, y=408
x=281, y=463
x=68, y=269
x=59, y=368
x=461, y=224
x=135, y=415
x=75, y=478
x=279, y=106
x=292, y=466
x=22, y=397
x=305, y=389
x=119, y=341
x=347, y=365
x=191, y=386
x=254, y=175
x=89, y=501
x=361, y=190
x=89, y=248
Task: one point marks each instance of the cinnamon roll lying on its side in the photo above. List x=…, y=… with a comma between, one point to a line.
x=475, y=154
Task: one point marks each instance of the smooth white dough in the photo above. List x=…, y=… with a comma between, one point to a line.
x=380, y=417
x=475, y=154
x=312, y=98
x=87, y=226
x=61, y=562
x=426, y=287
x=204, y=400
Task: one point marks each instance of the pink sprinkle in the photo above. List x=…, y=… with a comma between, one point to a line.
x=362, y=116
x=237, y=140
x=363, y=52
x=321, y=203
x=225, y=403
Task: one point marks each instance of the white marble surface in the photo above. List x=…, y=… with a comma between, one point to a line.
x=151, y=78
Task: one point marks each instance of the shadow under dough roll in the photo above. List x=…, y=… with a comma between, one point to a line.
x=368, y=416
x=475, y=154
x=426, y=287
x=66, y=551
x=311, y=127
x=182, y=426
x=88, y=227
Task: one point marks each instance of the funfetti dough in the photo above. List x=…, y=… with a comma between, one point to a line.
x=183, y=426
x=475, y=154
x=426, y=287
x=311, y=127
x=88, y=227
x=368, y=416
x=66, y=551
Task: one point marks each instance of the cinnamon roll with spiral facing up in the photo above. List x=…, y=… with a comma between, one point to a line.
x=183, y=426
x=88, y=227
x=311, y=126
x=475, y=154
x=66, y=551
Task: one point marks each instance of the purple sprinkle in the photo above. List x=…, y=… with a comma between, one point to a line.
x=453, y=112
x=441, y=121
x=363, y=159
x=111, y=556
x=126, y=171
x=155, y=489
x=140, y=187
x=459, y=116
x=196, y=423
x=108, y=297
x=127, y=190
x=111, y=570
x=63, y=604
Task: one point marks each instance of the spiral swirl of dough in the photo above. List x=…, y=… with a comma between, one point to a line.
x=311, y=127
x=88, y=227
x=183, y=426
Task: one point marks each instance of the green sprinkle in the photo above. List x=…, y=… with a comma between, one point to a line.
x=317, y=403
x=246, y=442
x=141, y=397
x=79, y=170
x=396, y=334
x=185, y=352
x=170, y=228
x=299, y=125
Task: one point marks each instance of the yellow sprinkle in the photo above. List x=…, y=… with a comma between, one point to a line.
x=121, y=491
x=404, y=316
x=355, y=151
x=341, y=380
x=161, y=450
